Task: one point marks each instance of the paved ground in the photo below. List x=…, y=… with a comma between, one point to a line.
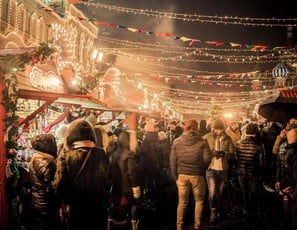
x=266, y=214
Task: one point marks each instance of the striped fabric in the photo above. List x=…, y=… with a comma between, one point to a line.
x=280, y=70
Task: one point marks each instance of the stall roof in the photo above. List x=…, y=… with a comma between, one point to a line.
x=72, y=99
x=84, y=103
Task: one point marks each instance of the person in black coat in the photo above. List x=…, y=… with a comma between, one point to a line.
x=291, y=150
x=125, y=180
x=269, y=134
x=42, y=169
x=249, y=161
x=148, y=162
x=83, y=187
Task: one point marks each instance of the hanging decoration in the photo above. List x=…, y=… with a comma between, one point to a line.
x=280, y=70
x=10, y=64
x=182, y=38
x=226, y=20
x=13, y=63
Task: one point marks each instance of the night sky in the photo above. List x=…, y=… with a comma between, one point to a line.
x=255, y=35
x=240, y=34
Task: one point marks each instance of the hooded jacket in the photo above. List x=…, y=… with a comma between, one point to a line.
x=190, y=155
x=42, y=169
x=85, y=193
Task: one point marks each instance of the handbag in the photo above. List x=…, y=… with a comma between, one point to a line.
x=64, y=211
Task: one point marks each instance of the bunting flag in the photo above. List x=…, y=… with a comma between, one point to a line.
x=182, y=38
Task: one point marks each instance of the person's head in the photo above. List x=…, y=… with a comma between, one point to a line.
x=210, y=122
x=202, y=124
x=80, y=133
x=157, y=128
x=172, y=125
x=117, y=131
x=127, y=139
x=251, y=129
x=234, y=125
x=191, y=124
x=218, y=127
x=162, y=135
x=45, y=143
x=60, y=132
x=102, y=139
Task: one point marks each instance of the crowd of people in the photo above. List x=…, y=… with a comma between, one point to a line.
x=93, y=179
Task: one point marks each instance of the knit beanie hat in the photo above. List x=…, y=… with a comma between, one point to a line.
x=191, y=124
x=149, y=127
x=79, y=130
x=218, y=124
x=45, y=143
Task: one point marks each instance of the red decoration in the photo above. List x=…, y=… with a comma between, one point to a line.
x=35, y=60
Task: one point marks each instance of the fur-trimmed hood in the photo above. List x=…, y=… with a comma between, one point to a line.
x=80, y=133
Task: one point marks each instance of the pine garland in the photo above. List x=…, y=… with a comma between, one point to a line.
x=9, y=66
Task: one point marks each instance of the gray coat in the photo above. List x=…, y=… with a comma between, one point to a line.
x=190, y=155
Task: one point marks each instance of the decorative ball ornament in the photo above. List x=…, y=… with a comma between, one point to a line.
x=35, y=60
x=280, y=70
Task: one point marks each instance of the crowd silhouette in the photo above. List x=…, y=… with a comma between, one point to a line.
x=165, y=175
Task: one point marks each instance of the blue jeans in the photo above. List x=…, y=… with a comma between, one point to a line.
x=186, y=183
x=215, y=181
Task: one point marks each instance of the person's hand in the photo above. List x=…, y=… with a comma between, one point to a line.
x=283, y=133
x=292, y=136
x=136, y=192
x=286, y=192
x=277, y=186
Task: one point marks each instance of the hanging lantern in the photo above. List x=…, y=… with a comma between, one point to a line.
x=280, y=70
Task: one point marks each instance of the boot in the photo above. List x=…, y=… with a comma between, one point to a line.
x=134, y=224
x=213, y=215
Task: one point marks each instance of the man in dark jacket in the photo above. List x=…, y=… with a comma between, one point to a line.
x=189, y=159
x=249, y=162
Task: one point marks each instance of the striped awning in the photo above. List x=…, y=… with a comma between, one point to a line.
x=289, y=93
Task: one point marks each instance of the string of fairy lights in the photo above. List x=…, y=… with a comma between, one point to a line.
x=199, y=55
x=191, y=102
x=160, y=61
x=226, y=20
